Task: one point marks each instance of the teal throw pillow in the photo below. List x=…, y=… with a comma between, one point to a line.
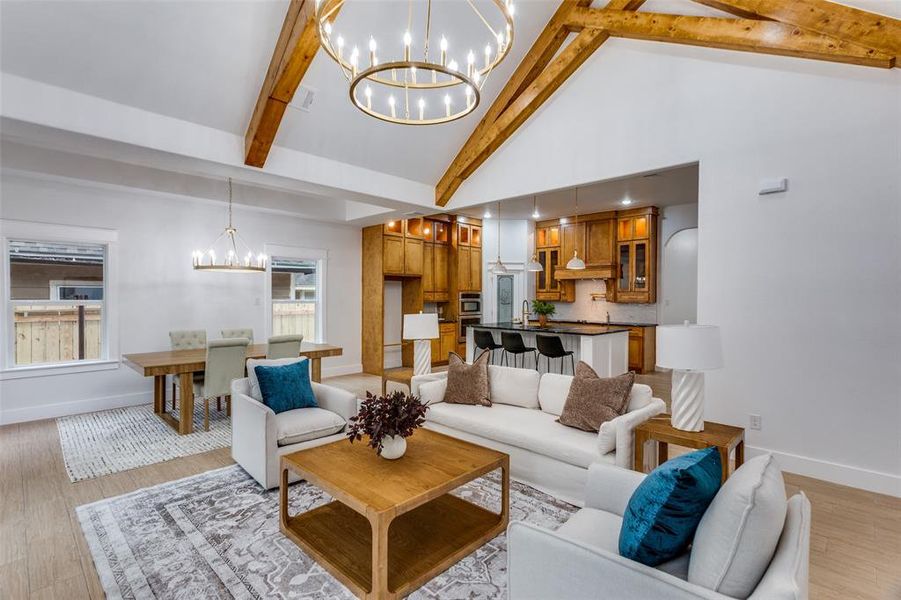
x=664, y=511
x=286, y=387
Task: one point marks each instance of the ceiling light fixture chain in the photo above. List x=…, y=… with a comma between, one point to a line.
x=426, y=77
x=576, y=263
x=534, y=265
x=498, y=268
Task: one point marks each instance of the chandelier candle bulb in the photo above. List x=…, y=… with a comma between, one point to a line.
x=368, y=92
x=421, y=108
x=408, y=39
x=447, y=105
x=393, y=109
x=372, y=48
x=453, y=66
x=471, y=63
x=443, y=51
x=487, y=56
x=413, y=74
x=340, y=47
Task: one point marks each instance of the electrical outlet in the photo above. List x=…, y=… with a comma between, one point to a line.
x=755, y=421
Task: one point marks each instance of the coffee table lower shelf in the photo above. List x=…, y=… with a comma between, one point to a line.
x=421, y=543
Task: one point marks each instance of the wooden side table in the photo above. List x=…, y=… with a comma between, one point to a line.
x=725, y=438
x=399, y=375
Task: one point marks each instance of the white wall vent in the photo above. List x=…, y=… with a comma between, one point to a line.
x=303, y=98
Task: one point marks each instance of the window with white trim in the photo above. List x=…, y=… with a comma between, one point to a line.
x=56, y=302
x=296, y=297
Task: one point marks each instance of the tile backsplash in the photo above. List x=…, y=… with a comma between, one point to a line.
x=584, y=308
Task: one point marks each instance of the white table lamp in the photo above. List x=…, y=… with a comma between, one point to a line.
x=421, y=328
x=689, y=350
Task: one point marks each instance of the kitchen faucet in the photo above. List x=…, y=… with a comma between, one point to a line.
x=608, y=317
x=525, y=313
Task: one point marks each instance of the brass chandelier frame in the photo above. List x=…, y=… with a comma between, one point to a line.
x=376, y=73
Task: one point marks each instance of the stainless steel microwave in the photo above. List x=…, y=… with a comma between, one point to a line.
x=470, y=303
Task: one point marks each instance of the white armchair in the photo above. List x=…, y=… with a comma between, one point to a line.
x=260, y=437
x=581, y=559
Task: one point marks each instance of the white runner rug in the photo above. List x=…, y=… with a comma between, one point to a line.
x=100, y=443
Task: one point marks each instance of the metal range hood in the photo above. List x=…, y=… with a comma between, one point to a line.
x=593, y=272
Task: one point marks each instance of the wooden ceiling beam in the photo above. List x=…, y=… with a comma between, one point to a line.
x=767, y=37
x=297, y=45
x=546, y=46
x=721, y=5
x=840, y=21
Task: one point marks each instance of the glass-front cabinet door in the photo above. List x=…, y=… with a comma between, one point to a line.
x=640, y=274
x=625, y=268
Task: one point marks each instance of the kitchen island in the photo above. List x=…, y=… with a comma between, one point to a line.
x=605, y=348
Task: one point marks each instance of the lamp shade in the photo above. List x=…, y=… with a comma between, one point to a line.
x=421, y=326
x=689, y=347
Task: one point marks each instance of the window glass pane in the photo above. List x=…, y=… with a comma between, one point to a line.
x=58, y=332
x=295, y=297
x=56, y=290
x=55, y=271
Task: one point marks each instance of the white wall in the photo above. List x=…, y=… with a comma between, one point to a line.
x=515, y=251
x=159, y=291
x=677, y=260
x=804, y=284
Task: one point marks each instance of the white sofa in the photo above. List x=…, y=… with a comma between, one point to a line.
x=522, y=423
x=260, y=437
x=581, y=560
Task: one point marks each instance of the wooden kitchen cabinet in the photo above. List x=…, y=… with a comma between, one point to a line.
x=475, y=236
x=464, y=269
x=600, y=243
x=547, y=237
x=445, y=343
x=413, y=256
x=546, y=285
x=475, y=269
x=441, y=281
x=642, y=349
x=428, y=269
x=463, y=234
x=573, y=241
x=636, y=257
x=393, y=255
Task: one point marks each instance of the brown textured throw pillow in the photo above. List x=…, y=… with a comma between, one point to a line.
x=467, y=384
x=593, y=400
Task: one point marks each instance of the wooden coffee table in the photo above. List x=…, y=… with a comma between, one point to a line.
x=393, y=525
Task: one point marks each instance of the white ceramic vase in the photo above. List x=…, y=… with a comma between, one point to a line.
x=393, y=447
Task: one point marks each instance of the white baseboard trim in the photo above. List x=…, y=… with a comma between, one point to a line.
x=62, y=409
x=865, y=479
x=342, y=370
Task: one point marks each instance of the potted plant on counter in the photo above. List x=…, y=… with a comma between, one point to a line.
x=388, y=421
x=543, y=310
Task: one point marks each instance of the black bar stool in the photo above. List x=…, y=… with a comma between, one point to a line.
x=551, y=346
x=514, y=345
x=485, y=341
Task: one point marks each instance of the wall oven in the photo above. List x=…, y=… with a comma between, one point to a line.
x=470, y=303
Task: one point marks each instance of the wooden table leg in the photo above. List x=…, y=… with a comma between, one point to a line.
x=638, y=463
x=662, y=452
x=316, y=369
x=724, y=459
x=379, y=590
x=186, y=413
x=740, y=454
x=505, y=492
x=384, y=386
x=159, y=394
x=283, y=498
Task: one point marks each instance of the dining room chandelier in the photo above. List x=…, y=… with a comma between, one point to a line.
x=411, y=84
x=229, y=252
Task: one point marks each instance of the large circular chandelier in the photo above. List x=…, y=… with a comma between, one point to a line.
x=416, y=87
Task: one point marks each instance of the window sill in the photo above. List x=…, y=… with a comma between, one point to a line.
x=58, y=369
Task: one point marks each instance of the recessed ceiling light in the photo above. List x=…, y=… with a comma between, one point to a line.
x=535, y=215
x=487, y=214
x=563, y=220
x=625, y=202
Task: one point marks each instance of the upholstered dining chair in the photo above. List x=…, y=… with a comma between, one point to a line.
x=284, y=346
x=237, y=333
x=186, y=339
x=224, y=363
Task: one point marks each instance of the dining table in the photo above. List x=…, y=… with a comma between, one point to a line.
x=188, y=362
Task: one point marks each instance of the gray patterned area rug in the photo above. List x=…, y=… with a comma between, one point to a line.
x=110, y=441
x=216, y=535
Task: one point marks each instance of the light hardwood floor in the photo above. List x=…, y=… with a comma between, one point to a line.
x=855, y=541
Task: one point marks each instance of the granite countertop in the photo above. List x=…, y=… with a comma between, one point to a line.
x=614, y=323
x=588, y=329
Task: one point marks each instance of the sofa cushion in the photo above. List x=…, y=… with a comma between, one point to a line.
x=524, y=428
x=302, y=424
x=593, y=400
x=266, y=362
x=554, y=388
x=737, y=537
x=664, y=511
x=467, y=383
x=516, y=387
x=432, y=392
x=600, y=529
